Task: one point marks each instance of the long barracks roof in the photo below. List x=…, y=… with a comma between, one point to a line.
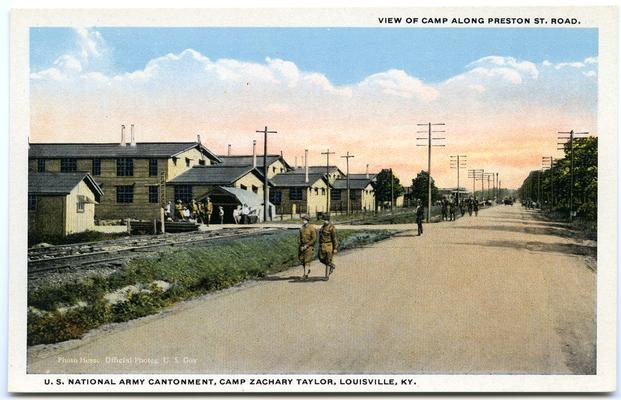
x=354, y=184
x=114, y=150
x=246, y=160
x=214, y=175
x=60, y=183
x=362, y=176
x=317, y=169
x=295, y=179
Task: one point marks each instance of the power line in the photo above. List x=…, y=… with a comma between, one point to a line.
x=429, y=145
x=265, y=180
x=347, y=157
x=327, y=154
x=458, y=161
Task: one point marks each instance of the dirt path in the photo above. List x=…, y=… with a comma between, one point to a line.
x=500, y=293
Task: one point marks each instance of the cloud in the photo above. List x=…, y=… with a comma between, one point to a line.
x=496, y=108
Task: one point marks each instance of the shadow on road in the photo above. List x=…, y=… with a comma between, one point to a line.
x=523, y=229
x=293, y=279
x=562, y=248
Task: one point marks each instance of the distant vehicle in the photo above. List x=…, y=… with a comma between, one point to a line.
x=508, y=202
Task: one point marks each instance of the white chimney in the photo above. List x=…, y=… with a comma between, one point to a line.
x=367, y=171
x=306, y=166
x=122, y=135
x=254, y=154
x=228, y=152
x=133, y=139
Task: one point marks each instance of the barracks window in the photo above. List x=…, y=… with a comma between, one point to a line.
x=68, y=165
x=295, y=194
x=336, y=194
x=153, y=167
x=96, y=166
x=41, y=165
x=32, y=202
x=183, y=193
x=154, y=194
x=124, y=194
x=124, y=167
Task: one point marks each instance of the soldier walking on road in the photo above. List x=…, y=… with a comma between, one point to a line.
x=308, y=238
x=451, y=209
x=444, y=209
x=420, y=215
x=470, y=206
x=328, y=244
x=475, y=205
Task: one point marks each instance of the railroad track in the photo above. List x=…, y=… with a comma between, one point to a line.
x=114, y=253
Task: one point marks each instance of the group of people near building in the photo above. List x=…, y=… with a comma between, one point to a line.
x=328, y=245
x=245, y=215
x=199, y=211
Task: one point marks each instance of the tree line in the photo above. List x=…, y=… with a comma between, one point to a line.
x=552, y=188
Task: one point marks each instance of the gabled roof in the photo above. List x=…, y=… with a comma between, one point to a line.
x=293, y=179
x=114, y=150
x=354, y=184
x=246, y=160
x=363, y=176
x=60, y=183
x=318, y=169
x=214, y=175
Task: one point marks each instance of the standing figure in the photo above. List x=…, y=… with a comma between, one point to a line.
x=179, y=211
x=444, y=209
x=237, y=214
x=168, y=211
x=328, y=244
x=451, y=209
x=201, y=212
x=306, y=251
x=209, y=210
x=194, y=209
x=245, y=213
x=420, y=215
x=469, y=206
x=221, y=213
x=476, y=207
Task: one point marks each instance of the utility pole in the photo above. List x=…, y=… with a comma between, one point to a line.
x=546, y=164
x=347, y=157
x=497, y=187
x=488, y=175
x=327, y=154
x=475, y=175
x=570, y=139
x=265, y=180
x=458, y=162
x=429, y=145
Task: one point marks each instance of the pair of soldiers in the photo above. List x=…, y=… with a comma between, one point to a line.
x=328, y=245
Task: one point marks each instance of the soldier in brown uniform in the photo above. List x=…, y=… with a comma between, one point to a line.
x=179, y=211
x=209, y=210
x=328, y=244
x=308, y=238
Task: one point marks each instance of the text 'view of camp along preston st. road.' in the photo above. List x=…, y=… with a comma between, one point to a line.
x=125, y=229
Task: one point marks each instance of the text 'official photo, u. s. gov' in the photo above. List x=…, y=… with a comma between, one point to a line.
x=313, y=200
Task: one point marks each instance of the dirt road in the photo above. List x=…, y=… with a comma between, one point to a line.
x=499, y=293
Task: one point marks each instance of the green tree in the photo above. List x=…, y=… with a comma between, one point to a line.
x=420, y=187
x=383, y=188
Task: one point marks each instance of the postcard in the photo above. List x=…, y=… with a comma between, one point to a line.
x=313, y=200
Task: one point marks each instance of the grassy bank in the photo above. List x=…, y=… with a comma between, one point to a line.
x=59, y=312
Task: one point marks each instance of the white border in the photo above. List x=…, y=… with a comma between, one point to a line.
x=603, y=18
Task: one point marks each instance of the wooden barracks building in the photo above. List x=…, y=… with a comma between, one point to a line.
x=129, y=174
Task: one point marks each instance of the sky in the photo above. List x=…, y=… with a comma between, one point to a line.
x=502, y=93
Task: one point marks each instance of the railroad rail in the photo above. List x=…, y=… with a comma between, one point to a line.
x=115, y=252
